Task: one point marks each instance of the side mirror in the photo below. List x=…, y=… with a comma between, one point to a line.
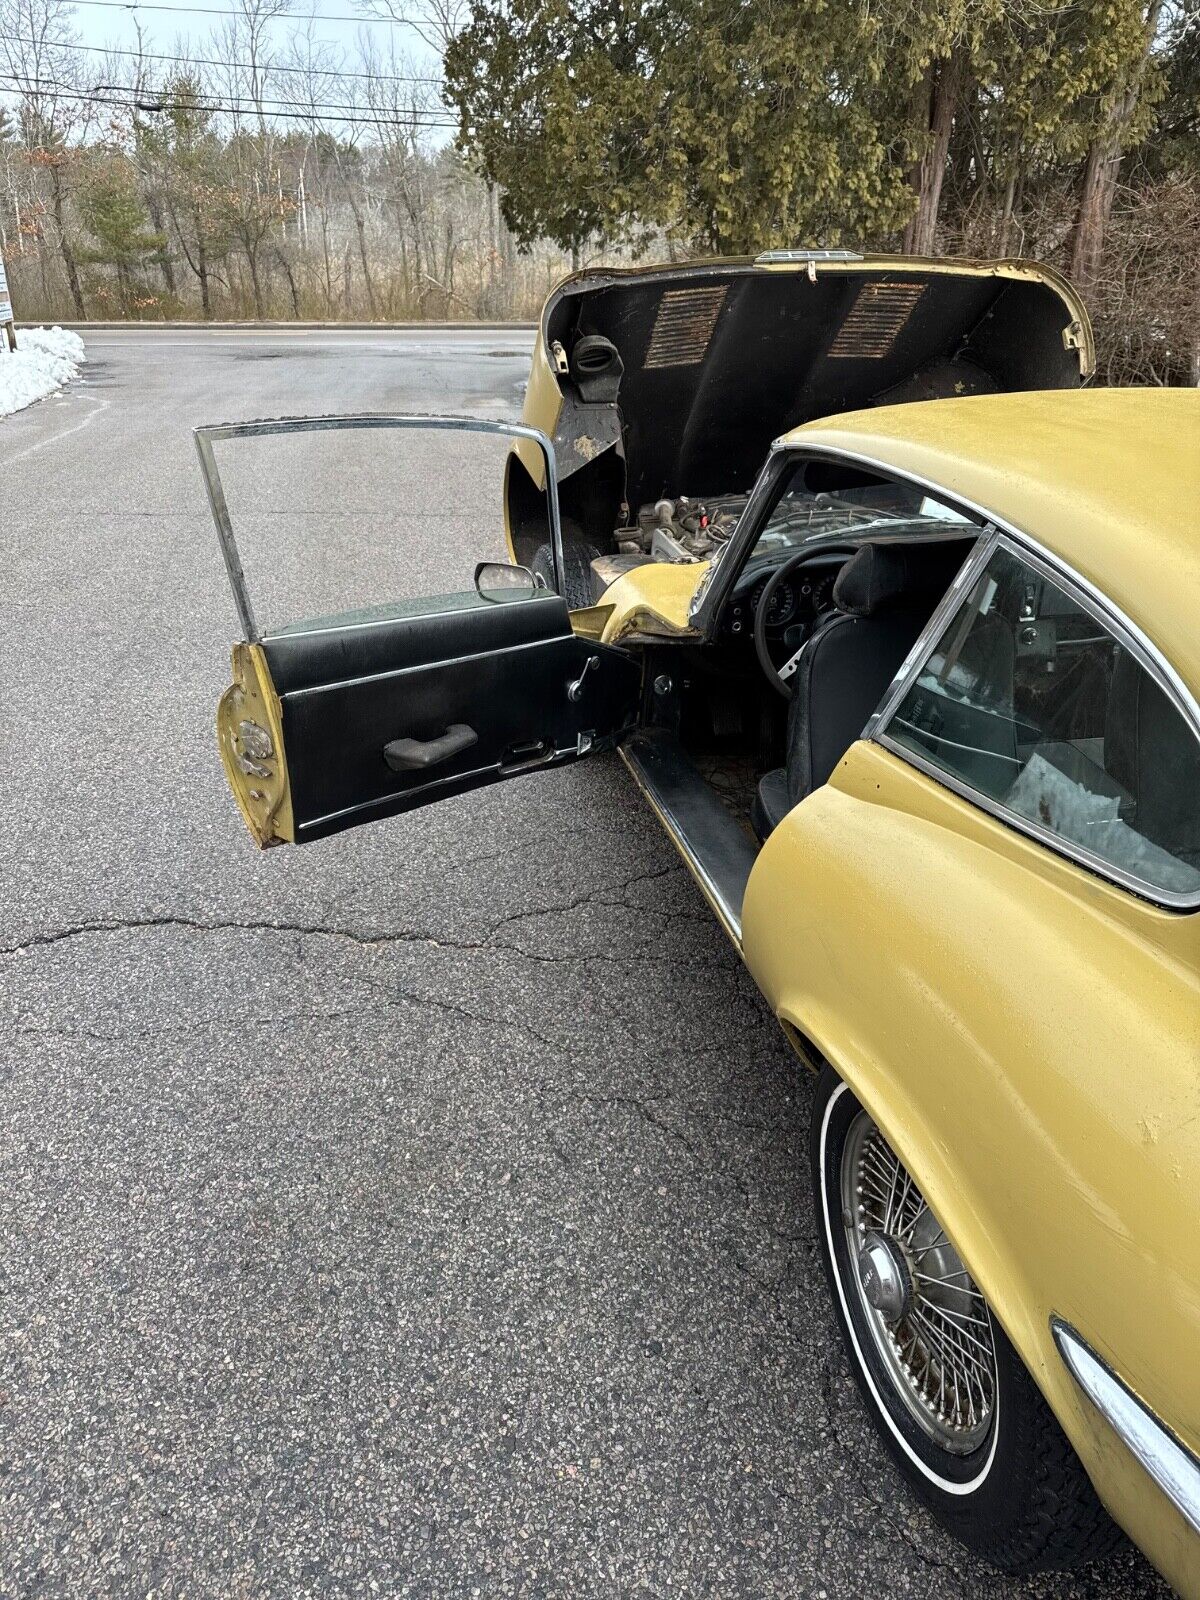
x=496, y=580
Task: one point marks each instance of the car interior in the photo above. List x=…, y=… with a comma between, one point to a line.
x=837, y=586
x=1026, y=698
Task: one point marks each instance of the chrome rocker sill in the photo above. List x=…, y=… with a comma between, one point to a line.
x=1165, y=1458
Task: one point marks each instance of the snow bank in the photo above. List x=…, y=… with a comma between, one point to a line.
x=45, y=359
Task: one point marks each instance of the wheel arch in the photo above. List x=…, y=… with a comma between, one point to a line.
x=1127, y=1493
x=819, y=1039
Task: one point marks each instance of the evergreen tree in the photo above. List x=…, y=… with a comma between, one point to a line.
x=114, y=214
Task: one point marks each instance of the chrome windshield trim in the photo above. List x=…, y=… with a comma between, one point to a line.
x=1159, y=1451
x=262, y=427
x=726, y=566
x=730, y=561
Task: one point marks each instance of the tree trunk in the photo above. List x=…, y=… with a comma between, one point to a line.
x=1095, y=207
x=291, y=282
x=945, y=83
x=165, y=264
x=328, y=265
x=256, y=286
x=1102, y=166
x=198, y=262
x=202, y=274
x=360, y=229
x=68, y=255
x=1006, y=219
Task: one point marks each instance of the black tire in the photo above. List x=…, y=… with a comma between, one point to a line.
x=578, y=556
x=1021, y=1500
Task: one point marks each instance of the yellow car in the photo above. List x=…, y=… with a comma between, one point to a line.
x=898, y=629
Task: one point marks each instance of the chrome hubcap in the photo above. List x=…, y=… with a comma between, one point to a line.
x=885, y=1277
x=928, y=1321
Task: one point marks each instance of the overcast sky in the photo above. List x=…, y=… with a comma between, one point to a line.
x=169, y=27
x=161, y=27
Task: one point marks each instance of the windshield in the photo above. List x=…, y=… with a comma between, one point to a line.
x=824, y=501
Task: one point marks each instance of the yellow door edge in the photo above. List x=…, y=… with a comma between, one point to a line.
x=250, y=738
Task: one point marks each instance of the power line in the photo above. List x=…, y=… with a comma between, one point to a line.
x=242, y=66
x=236, y=104
x=245, y=104
x=430, y=119
x=224, y=11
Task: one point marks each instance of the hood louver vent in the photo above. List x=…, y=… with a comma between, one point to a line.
x=683, y=326
x=875, y=321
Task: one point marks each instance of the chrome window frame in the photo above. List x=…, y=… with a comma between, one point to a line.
x=996, y=533
x=264, y=427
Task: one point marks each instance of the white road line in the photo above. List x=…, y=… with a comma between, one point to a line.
x=94, y=401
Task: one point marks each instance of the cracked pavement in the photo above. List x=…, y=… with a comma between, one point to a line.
x=423, y=1212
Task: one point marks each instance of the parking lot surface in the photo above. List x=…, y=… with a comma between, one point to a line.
x=422, y=1212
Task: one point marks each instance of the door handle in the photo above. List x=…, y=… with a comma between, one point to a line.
x=414, y=755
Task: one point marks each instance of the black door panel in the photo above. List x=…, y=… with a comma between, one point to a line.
x=411, y=635
x=419, y=685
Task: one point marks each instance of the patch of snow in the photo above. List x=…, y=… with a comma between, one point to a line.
x=44, y=361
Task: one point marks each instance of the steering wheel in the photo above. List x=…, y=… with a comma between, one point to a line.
x=778, y=677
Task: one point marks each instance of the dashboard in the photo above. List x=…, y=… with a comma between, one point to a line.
x=800, y=600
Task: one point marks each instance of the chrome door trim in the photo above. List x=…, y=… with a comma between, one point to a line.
x=1168, y=899
x=210, y=434
x=979, y=557
x=1157, y=1449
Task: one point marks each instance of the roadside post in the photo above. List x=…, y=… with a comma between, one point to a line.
x=6, y=310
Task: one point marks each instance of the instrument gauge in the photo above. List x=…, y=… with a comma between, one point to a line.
x=783, y=603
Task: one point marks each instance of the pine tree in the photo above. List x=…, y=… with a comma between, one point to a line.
x=114, y=214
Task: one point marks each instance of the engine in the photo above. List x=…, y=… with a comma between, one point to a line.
x=682, y=529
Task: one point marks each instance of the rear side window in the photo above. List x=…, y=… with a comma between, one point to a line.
x=1030, y=700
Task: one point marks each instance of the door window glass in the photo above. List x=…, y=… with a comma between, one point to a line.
x=1030, y=700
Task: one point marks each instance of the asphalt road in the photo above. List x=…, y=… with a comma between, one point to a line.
x=423, y=1212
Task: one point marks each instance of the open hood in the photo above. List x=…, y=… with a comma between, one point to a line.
x=675, y=380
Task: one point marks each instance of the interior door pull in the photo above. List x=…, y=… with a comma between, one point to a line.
x=575, y=687
x=413, y=755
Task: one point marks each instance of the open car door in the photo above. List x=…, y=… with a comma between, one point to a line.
x=352, y=718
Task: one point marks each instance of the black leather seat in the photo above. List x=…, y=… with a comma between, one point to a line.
x=884, y=596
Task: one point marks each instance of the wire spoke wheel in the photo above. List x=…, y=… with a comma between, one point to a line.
x=929, y=1322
